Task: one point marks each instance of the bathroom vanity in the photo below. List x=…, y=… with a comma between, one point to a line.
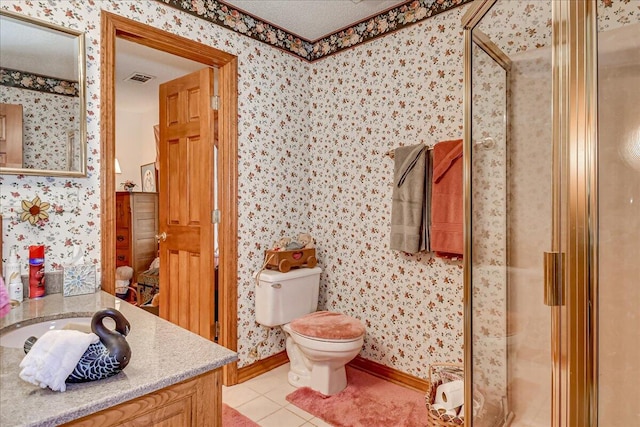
x=174, y=377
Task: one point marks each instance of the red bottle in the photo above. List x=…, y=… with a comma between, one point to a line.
x=36, y=271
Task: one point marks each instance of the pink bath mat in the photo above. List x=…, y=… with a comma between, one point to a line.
x=233, y=418
x=367, y=401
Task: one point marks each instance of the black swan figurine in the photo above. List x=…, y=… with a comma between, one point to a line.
x=105, y=358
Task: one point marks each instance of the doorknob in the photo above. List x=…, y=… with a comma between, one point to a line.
x=162, y=236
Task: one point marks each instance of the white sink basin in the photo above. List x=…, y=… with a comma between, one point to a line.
x=16, y=337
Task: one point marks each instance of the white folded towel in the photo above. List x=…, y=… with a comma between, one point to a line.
x=54, y=356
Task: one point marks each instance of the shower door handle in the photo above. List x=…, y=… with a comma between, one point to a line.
x=554, y=278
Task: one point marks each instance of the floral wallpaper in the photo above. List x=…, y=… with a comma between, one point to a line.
x=517, y=26
x=398, y=90
x=272, y=106
x=614, y=14
x=312, y=139
x=408, y=13
x=267, y=77
x=47, y=119
x=24, y=80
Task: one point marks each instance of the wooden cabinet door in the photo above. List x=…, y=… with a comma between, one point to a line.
x=174, y=414
x=186, y=202
x=192, y=403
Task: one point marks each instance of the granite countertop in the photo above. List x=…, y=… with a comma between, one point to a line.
x=162, y=354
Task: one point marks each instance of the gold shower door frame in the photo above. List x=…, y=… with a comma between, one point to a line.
x=574, y=211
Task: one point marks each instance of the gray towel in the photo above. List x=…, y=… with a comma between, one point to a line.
x=411, y=189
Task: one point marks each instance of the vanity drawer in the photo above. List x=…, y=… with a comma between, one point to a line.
x=122, y=238
x=122, y=257
x=123, y=209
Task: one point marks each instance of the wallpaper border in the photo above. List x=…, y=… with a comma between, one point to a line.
x=406, y=14
x=31, y=81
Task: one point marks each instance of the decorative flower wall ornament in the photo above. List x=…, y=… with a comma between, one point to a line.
x=34, y=211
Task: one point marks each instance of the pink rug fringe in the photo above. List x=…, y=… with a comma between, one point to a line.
x=233, y=418
x=367, y=401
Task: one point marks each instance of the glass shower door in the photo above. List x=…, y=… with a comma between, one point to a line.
x=571, y=174
x=490, y=236
x=514, y=347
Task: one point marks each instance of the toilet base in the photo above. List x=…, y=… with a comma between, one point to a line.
x=323, y=379
x=321, y=371
x=318, y=364
x=298, y=380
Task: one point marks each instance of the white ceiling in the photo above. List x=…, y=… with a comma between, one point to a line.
x=313, y=19
x=135, y=58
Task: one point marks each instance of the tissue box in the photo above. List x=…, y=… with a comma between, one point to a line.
x=79, y=279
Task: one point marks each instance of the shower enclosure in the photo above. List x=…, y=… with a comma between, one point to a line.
x=552, y=178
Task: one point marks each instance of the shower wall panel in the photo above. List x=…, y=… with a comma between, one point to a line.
x=619, y=225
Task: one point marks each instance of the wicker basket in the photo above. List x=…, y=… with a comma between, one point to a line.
x=440, y=373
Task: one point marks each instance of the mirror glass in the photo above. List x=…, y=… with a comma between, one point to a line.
x=42, y=104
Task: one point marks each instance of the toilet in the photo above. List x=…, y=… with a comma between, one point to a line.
x=319, y=343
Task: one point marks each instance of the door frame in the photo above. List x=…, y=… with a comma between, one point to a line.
x=112, y=27
x=576, y=97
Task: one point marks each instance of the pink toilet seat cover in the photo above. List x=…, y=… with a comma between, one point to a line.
x=328, y=325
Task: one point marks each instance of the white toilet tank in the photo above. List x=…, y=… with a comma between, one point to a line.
x=282, y=297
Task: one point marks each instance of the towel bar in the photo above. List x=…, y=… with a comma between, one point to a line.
x=391, y=153
x=487, y=143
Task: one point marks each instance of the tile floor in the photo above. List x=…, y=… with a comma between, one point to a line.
x=262, y=399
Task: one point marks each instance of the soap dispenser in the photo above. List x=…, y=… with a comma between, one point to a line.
x=16, y=293
x=12, y=266
x=12, y=277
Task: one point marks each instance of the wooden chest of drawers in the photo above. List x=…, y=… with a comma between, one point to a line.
x=136, y=228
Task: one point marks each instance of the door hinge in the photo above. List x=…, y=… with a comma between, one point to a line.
x=215, y=102
x=554, y=278
x=215, y=216
x=217, y=328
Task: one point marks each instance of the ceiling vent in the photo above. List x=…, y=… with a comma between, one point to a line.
x=139, y=78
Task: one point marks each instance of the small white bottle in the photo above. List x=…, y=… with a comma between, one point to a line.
x=15, y=288
x=12, y=266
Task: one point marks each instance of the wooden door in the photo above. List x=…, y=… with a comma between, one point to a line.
x=11, y=136
x=186, y=203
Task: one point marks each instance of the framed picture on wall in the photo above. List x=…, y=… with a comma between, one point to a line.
x=148, y=178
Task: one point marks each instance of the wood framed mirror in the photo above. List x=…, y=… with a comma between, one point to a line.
x=42, y=98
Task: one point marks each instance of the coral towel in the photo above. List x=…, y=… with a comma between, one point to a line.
x=54, y=356
x=447, y=199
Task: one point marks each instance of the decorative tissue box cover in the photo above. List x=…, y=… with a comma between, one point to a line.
x=79, y=280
